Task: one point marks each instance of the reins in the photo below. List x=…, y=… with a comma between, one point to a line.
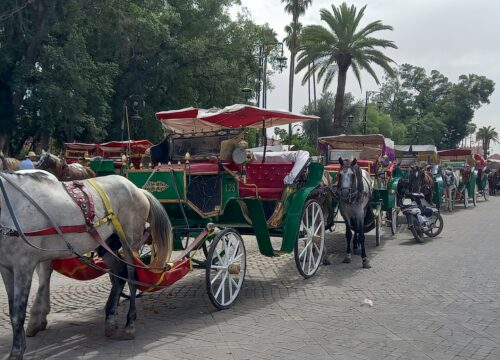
x=70, y=248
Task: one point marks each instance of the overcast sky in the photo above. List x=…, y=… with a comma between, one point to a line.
x=454, y=37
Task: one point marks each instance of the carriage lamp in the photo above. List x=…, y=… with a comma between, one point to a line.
x=187, y=157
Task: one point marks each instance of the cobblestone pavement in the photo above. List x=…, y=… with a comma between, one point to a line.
x=438, y=300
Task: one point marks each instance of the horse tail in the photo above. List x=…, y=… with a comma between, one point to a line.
x=161, y=231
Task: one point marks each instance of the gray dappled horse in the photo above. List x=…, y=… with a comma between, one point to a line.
x=450, y=182
x=354, y=194
x=133, y=208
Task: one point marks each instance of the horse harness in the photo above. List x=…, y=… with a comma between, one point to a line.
x=352, y=195
x=85, y=201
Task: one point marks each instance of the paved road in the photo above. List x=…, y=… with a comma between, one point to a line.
x=438, y=300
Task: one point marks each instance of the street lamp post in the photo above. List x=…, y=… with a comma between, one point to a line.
x=264, y=51
x=350, y=118
x=368, y=94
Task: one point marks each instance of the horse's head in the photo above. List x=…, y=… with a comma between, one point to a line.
x=50, y=163
x=448, y=177
x=348, y=180
x=415, y=178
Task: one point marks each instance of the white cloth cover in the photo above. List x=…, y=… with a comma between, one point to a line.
x=300, y=159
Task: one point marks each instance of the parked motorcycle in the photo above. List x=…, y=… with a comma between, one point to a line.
x=422, y=220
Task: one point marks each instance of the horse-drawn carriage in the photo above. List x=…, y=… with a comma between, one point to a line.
x=75, y=152
x=207, y=180
x=460, y=176
x=117, y=156
x=420, y=160
x=375, y=154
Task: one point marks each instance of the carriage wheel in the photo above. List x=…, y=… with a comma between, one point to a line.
x=310, y=244
x=466, y=197
x=474, y=195
x=226, y=268
x=378, y=225
x=394, y=221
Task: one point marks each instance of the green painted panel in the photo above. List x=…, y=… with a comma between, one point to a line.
x=259, y=224
x=161, y=184
x=295, y=205
x=229, y=189
x=438, y=191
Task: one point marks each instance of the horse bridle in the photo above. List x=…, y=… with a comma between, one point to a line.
x=352, y=195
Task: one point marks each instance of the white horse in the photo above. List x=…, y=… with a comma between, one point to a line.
x=354, y=194
x=132, y=206
x=450, y=182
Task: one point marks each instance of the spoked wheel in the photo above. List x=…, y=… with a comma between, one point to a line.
x=474, y=195
x=437, y=225
x=226, y=268
x=394, y=221
x=378, y=226
x=310, y=243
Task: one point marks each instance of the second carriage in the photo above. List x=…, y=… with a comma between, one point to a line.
x=462, y=163
x=375, y=154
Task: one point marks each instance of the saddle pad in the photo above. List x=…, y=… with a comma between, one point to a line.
x=79, y=193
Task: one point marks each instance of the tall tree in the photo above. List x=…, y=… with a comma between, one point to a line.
x=486, y=135
x=295, y=8
x=343, y=45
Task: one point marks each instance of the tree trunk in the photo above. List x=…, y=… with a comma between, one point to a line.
x=314, y=89
x=290, y=91
x=309, y=87
x=339, y=101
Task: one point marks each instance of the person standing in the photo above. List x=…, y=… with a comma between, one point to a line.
x=27, y=163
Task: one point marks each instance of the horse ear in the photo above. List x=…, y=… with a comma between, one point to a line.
x=43, y=152
x=354, y=162
x=341, y=162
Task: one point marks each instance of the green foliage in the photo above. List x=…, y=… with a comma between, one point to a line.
x=300, y=141
x=434, y=109
x=69, y=68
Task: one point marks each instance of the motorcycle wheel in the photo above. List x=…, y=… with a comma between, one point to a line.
x=415, y=230
x=437, y=225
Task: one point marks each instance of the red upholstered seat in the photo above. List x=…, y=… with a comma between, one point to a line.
x=268, y=177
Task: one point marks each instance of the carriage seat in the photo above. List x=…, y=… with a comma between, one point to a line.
x=268, y=179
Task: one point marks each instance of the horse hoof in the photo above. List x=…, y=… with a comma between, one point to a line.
x=347, y=260
x=129, y=333
x=356, y=251
x=366, y=264
x=110, y=328
x=32, y=329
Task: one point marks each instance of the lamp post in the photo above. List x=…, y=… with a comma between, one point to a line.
x=350, y=119
x=132, y=104
x=368, y=94
x=264, y=51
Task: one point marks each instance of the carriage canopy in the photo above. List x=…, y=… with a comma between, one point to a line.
x=369, y=146
x=191, y=120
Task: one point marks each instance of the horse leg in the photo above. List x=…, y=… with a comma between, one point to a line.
x=348, y=237
x=132, y=314
x=117, y=284
x=18, y=284
x=41, y=306
x=361, y=240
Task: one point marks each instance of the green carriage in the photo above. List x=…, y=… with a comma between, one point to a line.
x=424, y=156
x=215, y=190
x=371, y=151
x=462, y=162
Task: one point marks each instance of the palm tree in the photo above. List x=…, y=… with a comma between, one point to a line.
x=296, y=8
x=486, y=135
x=341, y=46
